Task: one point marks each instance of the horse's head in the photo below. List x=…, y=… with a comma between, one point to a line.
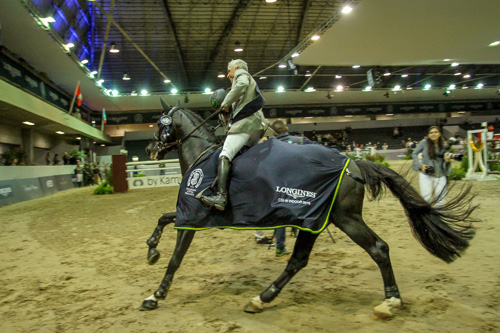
x=165, y=137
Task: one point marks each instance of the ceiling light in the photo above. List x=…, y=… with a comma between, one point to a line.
x=93, y=72
x=446, y=93
x=404, y=75
x=281, y=89
x=387, y=73
x=479, y=86
x=458, y=73
x=427, y=87
x=114, y=92
x=208, y=91
x=409, y=88
x=368, y=88
x=282, y=66
x=68, y=46
x=237, y=47
x=308, y=73
x=356, y=66
x=84, y=61
x=103, y=145
x=167, y=81
x=133, y=93
x=113, y=48
x=174, y=91
x=315, y=37
x=339, y=88
x=126, y=77
x=47, y=20
x=221, y=75
x=144, y=92
x=93, y=122
x=495, y=43
x=465, y=86
x=338, y=76
x=60, y=132
x=78, y=137
x=310, y=89
x=270, y=1
x=452, y=86
x=151, y=125
x=454, y=64
x=262, y=77
x=347, y=9
x=28, y=123
x=466, y=76
x=100, y=82
x=296, y=54
x=397, y=88
x=447, y=59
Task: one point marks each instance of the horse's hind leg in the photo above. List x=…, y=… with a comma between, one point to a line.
x=184, y=239
x=152, y=242
x=348, y=218
x=302, y=250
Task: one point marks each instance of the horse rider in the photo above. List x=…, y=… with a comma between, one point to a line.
x=243, y=104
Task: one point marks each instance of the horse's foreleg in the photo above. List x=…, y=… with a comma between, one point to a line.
x=300, y=257
x=184, y=239
x=152, y=242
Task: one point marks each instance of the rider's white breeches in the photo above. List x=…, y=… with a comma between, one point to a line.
x=234, y=142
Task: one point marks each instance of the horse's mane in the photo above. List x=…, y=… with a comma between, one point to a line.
x=204, y=131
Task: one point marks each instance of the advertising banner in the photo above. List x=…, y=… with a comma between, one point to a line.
x=49, y=185
x=154, y=181
x=64, y=182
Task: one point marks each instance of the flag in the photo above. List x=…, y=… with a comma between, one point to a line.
x=78, y=95
x=104, y=120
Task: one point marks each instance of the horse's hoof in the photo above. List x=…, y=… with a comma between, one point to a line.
x=387, y=308
x=254, y=306
x=153, y=256
x=148, y=305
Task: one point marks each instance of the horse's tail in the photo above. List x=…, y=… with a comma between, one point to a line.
x=443, y=231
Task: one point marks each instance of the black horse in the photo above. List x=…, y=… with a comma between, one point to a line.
x=444, y=231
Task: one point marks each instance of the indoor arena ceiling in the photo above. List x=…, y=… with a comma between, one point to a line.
x=189, y=42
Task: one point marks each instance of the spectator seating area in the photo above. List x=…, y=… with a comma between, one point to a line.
x=363, y=136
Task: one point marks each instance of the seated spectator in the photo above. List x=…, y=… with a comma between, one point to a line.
x=385, y=146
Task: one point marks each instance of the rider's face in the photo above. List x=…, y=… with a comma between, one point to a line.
x=230, y=73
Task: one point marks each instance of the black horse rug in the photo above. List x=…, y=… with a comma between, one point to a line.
x=273, y=184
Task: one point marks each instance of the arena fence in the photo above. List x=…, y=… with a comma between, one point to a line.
x=481, y=145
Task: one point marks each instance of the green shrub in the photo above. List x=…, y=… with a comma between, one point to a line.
x=379, y=157
x=457, y=173
x=104, y=188
x=139, y=175
x=383, y=163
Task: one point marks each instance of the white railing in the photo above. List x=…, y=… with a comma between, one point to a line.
x=156, y=176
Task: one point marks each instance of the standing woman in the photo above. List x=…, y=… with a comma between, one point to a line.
x=434, y=167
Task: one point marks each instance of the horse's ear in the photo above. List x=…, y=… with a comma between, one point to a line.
x=165, y=105
x=178, y=105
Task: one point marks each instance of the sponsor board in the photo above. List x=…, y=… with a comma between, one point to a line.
x=154, y=181
x=6, y=192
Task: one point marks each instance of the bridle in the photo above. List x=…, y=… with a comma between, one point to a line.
x=164, y=124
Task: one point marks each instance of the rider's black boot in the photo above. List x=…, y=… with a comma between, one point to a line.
x=219, y=200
